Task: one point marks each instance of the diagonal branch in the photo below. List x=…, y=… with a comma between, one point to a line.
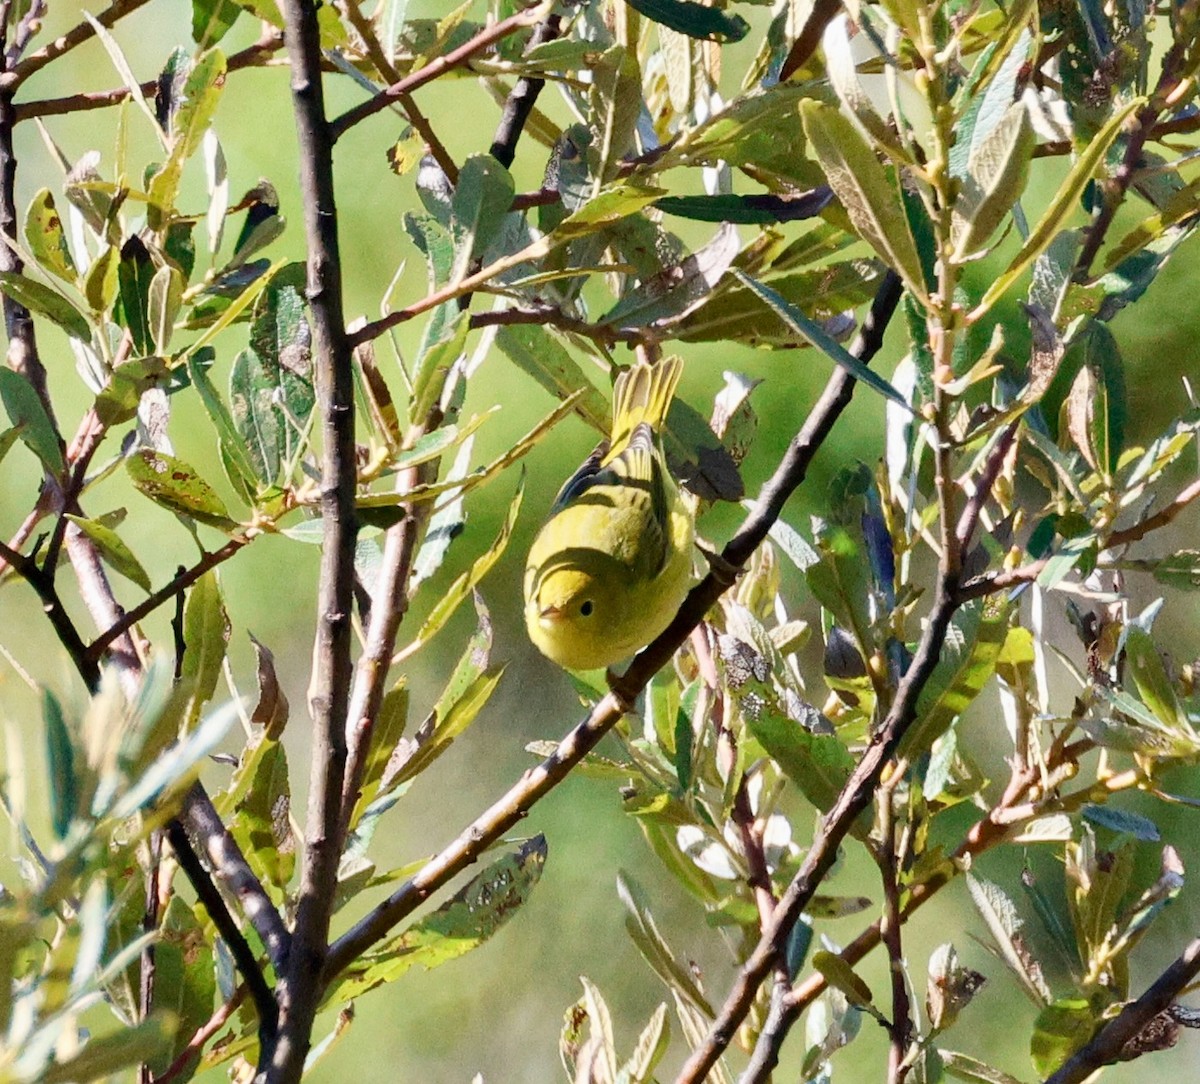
x=1129, y=1023
x=77, y=35
x=539, y=781
x=485, y=39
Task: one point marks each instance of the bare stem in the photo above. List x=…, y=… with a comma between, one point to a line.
x=77, y=35
x=298, y=992
x=485, y=39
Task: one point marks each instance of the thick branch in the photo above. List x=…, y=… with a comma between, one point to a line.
x=521, y=100
x=298, y=992
x=1130, y=1022
x=539, y=781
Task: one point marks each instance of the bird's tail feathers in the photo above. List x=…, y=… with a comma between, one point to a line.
x=643, y=394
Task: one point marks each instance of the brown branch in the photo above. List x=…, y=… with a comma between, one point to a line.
x=548, y=315
x=182, y=581
x=539, y=781
x=77, y=35
x=1114, y=188
x=64, y=628
x=239, y=948
x=252, y=56
x=855, y=797
x=900, y=1032
x=196, y=1044
x=436, y=68
x=406, y=102
x=822, y=14
x=1107, y=1046
x=522, y=98
x=282, y=1062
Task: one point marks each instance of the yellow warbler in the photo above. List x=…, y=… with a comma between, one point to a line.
x=613, y=562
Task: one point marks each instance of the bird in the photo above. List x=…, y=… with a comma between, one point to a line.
x=613, y=561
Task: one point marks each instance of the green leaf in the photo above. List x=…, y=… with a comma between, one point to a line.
x=1145, y=665
x=29, y=418
x=206, y=630
x=100, y=282
x=819, y=764
x=184, y=977
x=176, y=486
x=1060, y=208
x=997, y=170
x=645, y=934
x=536, y=351
x=135, y=272
x=60, y=759
x=1005, y=925
x=817, y=335
x=114, y=550
x=234, y=455
x=668, y=297
x=105, y=1055
x=862, y=187
x=968, y=661
x=271, y=395
x=694, y=20
x=434, y=360
x=965, y=1067
x=462, y=923
x=46, y=302
x=651, y=1046
x=122, y=393
x=481, y=199
x=607, y=207
x=259, y=821
x=760, y=210
x=842, y=976
x=46, y=239
x=1059, y=1030
x=1123, y=822
x=163, y=302
x=211, y=19
x=615, y=101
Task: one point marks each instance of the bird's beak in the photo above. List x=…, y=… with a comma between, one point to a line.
x=549, y=614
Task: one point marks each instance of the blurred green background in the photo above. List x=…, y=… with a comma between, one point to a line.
x=498, y=1011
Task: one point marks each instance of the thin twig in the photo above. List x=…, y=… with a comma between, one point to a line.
x=299, y=992
x=539, y=781
x=1114, y=188
x=855, y=797
x=180, y=583
x=149, y=925
x=252, y=56
x=889, y=871
x=239, y=948
x=406, y=102
x=196, y=1044
x=522, y=97
x=77, y=35
x=437, y=67
x=1129, y=1023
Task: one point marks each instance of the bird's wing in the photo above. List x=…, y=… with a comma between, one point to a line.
x=638, y=469
x=584, y=478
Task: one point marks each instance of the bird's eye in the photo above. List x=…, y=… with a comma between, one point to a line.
x=586, y=608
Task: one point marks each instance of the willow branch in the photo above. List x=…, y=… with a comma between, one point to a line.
x=521, y=99
x=77, y=35
x=181, y=582
x=510, y=808
x=406, y=102
x=196, y=1044
x=239, y=948
x=298, y=994
x=252, y=56
x=1129, y=1023
x=485, y=39
x=822, y=14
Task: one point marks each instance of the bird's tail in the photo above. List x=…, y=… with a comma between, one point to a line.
x=643, y=394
